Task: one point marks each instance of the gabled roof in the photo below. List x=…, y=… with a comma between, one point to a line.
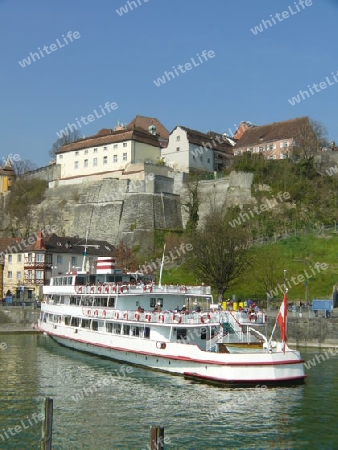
x=10, y=242
x=272, y=132
x=74, y=245
x=202, y=139
x=144, y=123
x=106, y=136
x=7, y=168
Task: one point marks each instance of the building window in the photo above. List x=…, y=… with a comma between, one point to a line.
x=125, y=144
x=95, y=150
x=76, y=165
x=178, y=138
x=105, y=148
x=76, y=153
x=60, y=156
x=86, y=152
x=124, y=156
x=10, y=258
x=116, y=145
x=177, y=149
x=115, y=158
x=59, y=259
x=86, y=163
x=95, y=162
x=39, y=274
x=18, y=275
x=30, y=274
x=74, y=260
x=10, y=275
x=39, y=257
x=19, y=258
x=29, y=257
x=260, y=149
x=105, y=160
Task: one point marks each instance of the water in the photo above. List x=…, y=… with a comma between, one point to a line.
x=118, y=413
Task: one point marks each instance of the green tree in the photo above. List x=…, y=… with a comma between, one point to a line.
x=220, y=251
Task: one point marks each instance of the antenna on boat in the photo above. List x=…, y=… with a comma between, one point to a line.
x=161, y=269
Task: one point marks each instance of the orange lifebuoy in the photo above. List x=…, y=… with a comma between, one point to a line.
x=177, y=318
x=148, y=288
x=114, y=288
x=106, y=289
x=161, y=317
x=123, y=289
x=79, y=289
x=125, y=315
x=137, y=316
x=89, y=313
x=148, y=317
x=92, y=290
x=96, y=313
x=205, y=318
x=116, y=315
x=99, y=289
x=104, y=313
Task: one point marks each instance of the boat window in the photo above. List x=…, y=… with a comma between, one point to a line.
x=181, y=334
x=69, y=281
x=135, y=331
x=117, y=328
x=147, y=332
x=203, y=334
x=85, y=323
x=159, y=301
x=152, y=302
x=95, y=325
x=75, y=322
x=126, y=330
x=109, y=327
x=73, y=300
x=67, y=320
x=111, y=302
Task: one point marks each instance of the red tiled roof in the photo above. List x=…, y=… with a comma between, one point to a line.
x=272, y=132
x=10, y=242
x=136, y=134
x=144, y=123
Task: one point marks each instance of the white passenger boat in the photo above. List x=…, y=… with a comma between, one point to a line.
x=148, y=325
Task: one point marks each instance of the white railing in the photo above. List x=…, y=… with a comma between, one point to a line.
x=132, y=289
x=236, y=326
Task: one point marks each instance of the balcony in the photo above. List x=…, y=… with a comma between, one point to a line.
x=39, y=265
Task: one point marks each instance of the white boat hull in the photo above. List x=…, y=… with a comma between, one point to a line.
x=184, y=359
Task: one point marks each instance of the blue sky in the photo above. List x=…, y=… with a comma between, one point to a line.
x=118, y=57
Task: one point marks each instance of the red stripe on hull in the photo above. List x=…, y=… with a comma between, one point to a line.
x=181, y=358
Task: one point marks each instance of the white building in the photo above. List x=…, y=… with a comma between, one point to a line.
x=108, y=151
x=190, y=150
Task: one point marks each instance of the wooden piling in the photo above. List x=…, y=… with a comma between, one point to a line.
x=156, y=438
x=47, y=425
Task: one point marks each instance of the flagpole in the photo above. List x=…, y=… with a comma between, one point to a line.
x=161, y=269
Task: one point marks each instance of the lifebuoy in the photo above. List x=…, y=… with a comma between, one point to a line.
x=253, y=318
x=148, y=288
x=79, y=289
x=137, y=316
x=96, y=313
x=100, y=289
x=125, y=315
x=114, y=288
x=177, y=318
x=161, y=317
x=205, y=318
x=106, y=289
x=148, y=317
x=123, y=289
x=89, y=313
x=161, y=345
x=92, y=290
x=183, y=289
x=116, y=315
x=104, y=313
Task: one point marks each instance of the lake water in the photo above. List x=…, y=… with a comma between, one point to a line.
x=100, y=404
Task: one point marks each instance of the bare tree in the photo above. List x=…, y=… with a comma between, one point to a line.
x=22, y=166
x=220, y=251
x=309, y=139
x=72, y=136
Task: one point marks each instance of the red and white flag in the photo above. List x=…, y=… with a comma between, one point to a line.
x=281, y=318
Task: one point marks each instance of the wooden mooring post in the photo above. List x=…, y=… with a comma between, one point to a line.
x=156, y=438
x=47, y=425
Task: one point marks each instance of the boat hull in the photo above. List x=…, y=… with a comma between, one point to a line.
x=185, y=359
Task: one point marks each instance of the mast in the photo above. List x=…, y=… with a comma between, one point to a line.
x=161, y=269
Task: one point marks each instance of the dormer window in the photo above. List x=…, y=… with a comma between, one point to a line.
x=178, y=138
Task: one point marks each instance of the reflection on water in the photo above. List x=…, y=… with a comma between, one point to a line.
x=100, y=404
